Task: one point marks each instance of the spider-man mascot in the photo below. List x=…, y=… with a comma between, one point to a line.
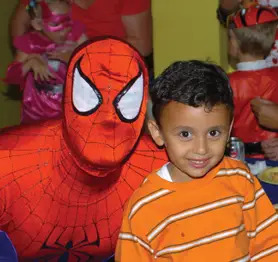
x=64, y=183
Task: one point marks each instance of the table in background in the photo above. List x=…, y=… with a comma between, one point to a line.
x=270, y=189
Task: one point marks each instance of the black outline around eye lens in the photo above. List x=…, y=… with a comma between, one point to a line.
x=121, y=94
x=242, y=17
x=93, y=86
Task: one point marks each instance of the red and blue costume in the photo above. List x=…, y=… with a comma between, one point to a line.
x=64, y=183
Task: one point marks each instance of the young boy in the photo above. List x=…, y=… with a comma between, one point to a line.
x=251, y=37
x=201, y=206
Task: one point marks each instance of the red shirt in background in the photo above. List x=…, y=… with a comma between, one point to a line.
x=103, y=17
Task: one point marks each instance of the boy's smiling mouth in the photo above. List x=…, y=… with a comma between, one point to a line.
x=199, y=163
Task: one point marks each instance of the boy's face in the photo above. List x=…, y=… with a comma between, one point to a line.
x=58, y=27
x=194, y=138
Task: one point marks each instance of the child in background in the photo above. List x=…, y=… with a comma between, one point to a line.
x=251, y=37
x=228, y=7
x=201, y=206
x=37, y=69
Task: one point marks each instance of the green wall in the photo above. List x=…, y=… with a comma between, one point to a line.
x=187, y=30
x=9, y=104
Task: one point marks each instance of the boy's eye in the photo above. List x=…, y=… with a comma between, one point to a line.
x=214, y=133
x=185, y=134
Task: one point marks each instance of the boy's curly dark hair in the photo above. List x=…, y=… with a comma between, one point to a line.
x=194, y=83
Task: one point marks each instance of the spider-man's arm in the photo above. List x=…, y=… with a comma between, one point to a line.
x=8, y=141
x=5, y=181
x=19, y=153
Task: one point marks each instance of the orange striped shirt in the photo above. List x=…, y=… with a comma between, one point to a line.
x=225, y=216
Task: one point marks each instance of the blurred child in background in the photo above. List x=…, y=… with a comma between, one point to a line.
x=40, y=66
x=251, y=38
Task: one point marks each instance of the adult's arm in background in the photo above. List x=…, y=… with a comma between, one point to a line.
x=138, y=29
x=137, y=21
x=20, y=20
x=225, y=8
x=266, y=112
x=267, y=115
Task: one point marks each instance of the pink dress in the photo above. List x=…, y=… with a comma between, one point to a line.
x=41, y=99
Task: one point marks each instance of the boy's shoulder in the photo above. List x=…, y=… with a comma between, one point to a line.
x=267, y=77
x=236, y=172
x=238, y=76
x=148, y=189
x=233, y=163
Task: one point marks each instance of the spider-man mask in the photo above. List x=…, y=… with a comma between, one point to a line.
x=105, y=104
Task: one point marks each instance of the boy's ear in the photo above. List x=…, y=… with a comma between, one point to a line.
x=36, y=23
x=155, y=132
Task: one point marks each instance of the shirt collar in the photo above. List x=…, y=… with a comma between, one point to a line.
x=254, y=65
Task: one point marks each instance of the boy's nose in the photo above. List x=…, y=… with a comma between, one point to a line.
x=201, y=146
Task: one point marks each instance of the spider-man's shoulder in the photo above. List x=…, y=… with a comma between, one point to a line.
x=30, y=137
